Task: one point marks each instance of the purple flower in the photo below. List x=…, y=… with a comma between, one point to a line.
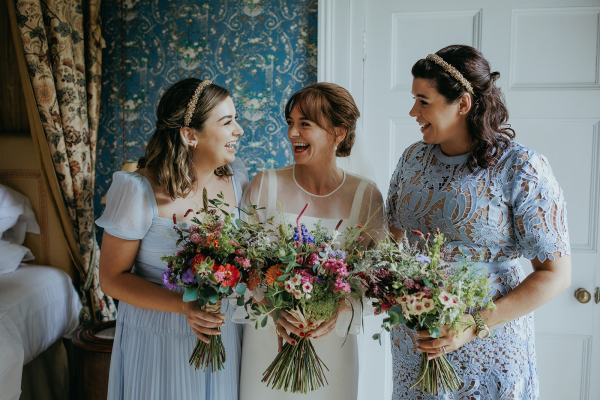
x=423, y=259
x=338, y=254
x=306, y=236
x=169, y=279
x=188, y=277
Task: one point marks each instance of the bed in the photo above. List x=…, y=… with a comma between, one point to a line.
x=39, y=305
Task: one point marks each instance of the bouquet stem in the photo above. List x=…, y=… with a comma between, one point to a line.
x=211, y=354
x=437, y=375
x=297, y=368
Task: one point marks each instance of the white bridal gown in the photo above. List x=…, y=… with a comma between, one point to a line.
x=357, y=201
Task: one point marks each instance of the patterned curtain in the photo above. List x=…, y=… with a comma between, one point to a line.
x=62, y=44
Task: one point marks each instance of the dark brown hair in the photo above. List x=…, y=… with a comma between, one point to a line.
x=329, y=106
x=487, y=120
x=167, y=158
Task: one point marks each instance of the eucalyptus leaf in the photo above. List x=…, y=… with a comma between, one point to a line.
x=190, y=294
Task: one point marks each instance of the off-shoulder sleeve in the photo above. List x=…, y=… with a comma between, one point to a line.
x=372, y=214
x=240, y=174
x=539, y=210
x=129, y=207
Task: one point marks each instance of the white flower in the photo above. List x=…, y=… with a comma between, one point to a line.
x=296, y=280
x=307, y=287
x=447, y=299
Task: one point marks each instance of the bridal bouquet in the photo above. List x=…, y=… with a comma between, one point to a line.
x=209, y=265
x=418, y=289
x=306, y=273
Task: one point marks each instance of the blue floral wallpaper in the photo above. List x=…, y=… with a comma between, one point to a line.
x=261, y=50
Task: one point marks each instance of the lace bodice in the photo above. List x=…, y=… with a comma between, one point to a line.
x=512, y=209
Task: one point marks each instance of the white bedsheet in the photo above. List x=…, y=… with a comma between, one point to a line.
x=38, y=305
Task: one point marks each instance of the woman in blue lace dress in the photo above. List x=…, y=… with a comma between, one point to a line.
x=495, y=201
x=192, y=148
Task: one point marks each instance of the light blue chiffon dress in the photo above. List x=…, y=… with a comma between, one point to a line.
x=492, y=216
x=151, y=348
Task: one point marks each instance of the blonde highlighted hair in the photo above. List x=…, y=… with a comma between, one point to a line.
x=167, y=158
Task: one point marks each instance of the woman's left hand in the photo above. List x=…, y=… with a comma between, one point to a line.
x=449, y=340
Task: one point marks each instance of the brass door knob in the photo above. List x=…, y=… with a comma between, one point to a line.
x=583, y=296
x=597, y=295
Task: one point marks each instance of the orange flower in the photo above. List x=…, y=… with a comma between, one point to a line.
x=253, y=280
x=272, y=274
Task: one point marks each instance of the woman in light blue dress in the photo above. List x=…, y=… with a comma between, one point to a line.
x=495, y=201
x=192, y=148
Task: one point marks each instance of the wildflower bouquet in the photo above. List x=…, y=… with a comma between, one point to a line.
x=416, y=288
x=306, y=273
x=209, y=265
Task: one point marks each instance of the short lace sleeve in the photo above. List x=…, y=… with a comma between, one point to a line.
x=539, y=210
x=129, y=207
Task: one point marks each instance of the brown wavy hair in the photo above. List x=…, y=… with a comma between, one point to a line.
x=329, y=106
x=167, y=158
x=487, y=120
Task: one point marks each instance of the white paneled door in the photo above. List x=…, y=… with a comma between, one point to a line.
x=548, y=54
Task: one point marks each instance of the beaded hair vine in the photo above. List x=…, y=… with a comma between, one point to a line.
x=191, y=107
x=452, y=71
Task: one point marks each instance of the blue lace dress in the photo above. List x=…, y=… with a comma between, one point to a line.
x=492, y=216
x=151, y=348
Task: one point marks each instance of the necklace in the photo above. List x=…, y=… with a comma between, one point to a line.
x=318, y=195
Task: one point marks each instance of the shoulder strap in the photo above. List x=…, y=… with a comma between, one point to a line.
x=272, y=190
x=357, y=201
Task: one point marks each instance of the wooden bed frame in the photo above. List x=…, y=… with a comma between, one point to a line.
x=20, y=169
x=47, y=376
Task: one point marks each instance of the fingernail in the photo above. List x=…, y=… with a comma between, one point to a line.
x=294, y=342
x=302, y=334
x=301, y=326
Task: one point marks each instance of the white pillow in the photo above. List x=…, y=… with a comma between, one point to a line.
x=11, y=256
x=16, y=216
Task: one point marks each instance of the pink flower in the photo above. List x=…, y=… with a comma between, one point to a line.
x=195, y=238
x=313, y=259
x=243, y=262
x=228, y=275
x=341, y=285
x=336, y=266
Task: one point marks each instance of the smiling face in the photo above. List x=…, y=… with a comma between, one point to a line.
x=311, y=143
x=217, y=141
x=441, y=122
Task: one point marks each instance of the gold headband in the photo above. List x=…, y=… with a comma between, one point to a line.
x=452, y=71
x=191, y=107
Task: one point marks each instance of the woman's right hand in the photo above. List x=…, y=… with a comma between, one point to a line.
x=287, y=324
x=203, y=323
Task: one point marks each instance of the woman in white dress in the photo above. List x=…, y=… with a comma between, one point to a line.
x=321, y=125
